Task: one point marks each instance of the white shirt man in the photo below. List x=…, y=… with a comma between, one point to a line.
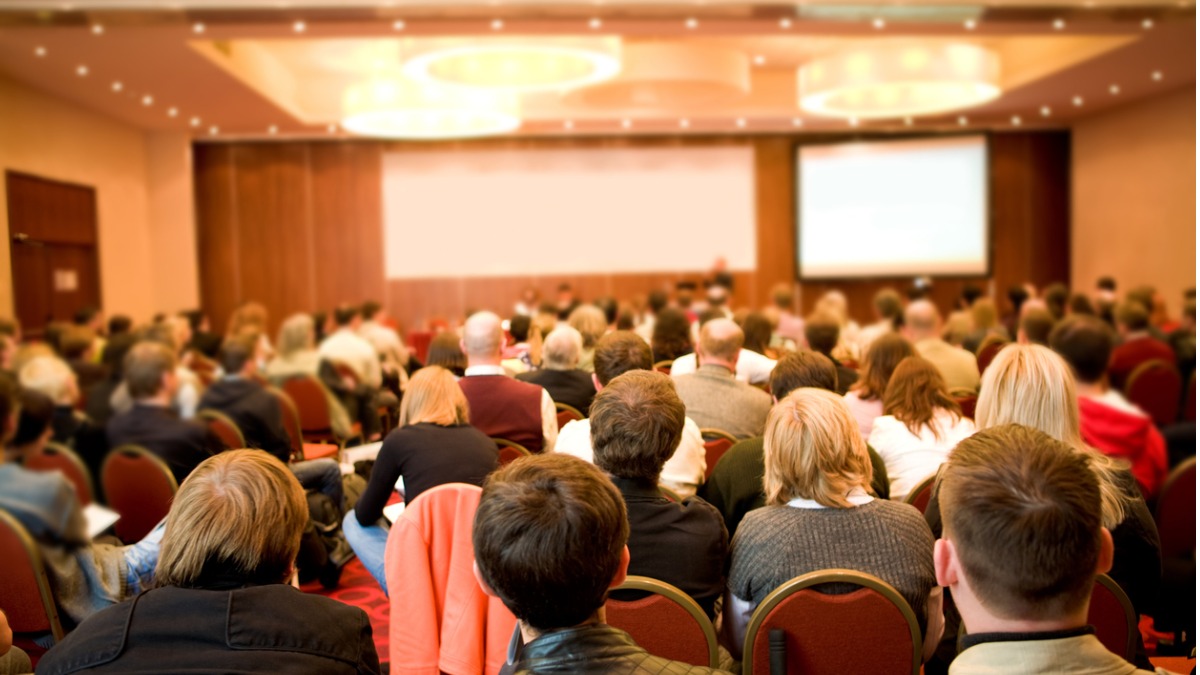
x=348, y=347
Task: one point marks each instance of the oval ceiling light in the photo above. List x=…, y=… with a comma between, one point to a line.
x=671, y=75
x=397, y=108
x=518, y=64
x=899, y=81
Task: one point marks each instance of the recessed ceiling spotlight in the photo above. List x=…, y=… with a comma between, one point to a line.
x=1059, y=24
x=195, y=121
x=853, y=121
x=691, y=23
x=1156, y=76
x=172, y=112
x=1016, y=120
x=759, y=59
x=1147, y=23
x=568, y=124
x=117, y=86
x=1077, y=101
x=595, y=23
x=785, y=23
x=332, y=128
x=908, y=121
x=81, y=70
x=626, y=123
x=39, y=51
x=147, y=100
x=213, y=131
x=741, y=122
x=299, y=26
x=969, y=24
x=797, y=122
x=962, y=120
x=684, y=123
x=878, y=23
x=398, y=24
x=1114, y=89
x=497, y=24
x=272, y=130
x=97, y=29
x=1046, y=111
x=198, y=28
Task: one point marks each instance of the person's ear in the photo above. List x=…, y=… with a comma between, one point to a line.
x=462, y=345
x=945, y=563
x=596, y=382
x=487, y=589
x=1105, y=559
x=622, y=569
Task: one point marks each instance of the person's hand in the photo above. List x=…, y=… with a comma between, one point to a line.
x=5, y=634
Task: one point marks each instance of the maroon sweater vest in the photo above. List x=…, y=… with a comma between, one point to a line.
x=502, y=407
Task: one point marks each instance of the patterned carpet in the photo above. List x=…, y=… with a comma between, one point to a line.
x=359, y=588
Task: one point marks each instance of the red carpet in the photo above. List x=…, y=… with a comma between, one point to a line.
x=359, y=588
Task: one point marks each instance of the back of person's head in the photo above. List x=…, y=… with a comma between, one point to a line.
x=802, y=369
x=52, y=377
x=115, y=350
x=1017, y=295
x=10, y=405
x=195, y=319
x=618, y=353
x=10, y=327
x=657, y=301
x=52, y=335
x=34, y=420
x=562, y=348
x=609, y=307
x=1132, y=315
x=119, y=324
x=1036, y=325
x=983, y=314
x=921, y=319
x=710, y=314
x=888, y=304
x=518, y=327
x=86, y=315
x=369, y=309
x=236, y=352
x=821, y=330
x=218, y=529
x=591, y=323
x=970, y=293
x=636, y=423
x=885, y=353
x=483, y=336
x=295, y=335
x=1086, y=343
x=344, y=315
x=783, y=296
x=720, y=340
x=757, y=329
x=75, y=342
x=445, y=350
x=549, y=537
x=1022, y=511
x=915, y=393
x=813, y=449
x=1056, y=295
x=684, y=293
x=146, y=364
x=432, y=396
x=1081, y=304
x=1143, y=295
x=1107, y=284
x=672, y=334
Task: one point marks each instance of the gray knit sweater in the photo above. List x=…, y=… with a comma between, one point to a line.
x=887, y=539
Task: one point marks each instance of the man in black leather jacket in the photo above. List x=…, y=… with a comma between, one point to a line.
x=549, y=539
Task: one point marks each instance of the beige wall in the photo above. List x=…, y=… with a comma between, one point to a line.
x=1133, y=197
x=145, y=224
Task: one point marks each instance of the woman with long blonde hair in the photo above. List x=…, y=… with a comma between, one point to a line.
x=434, y=444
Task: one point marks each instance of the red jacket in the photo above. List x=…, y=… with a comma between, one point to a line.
x=1133, y=438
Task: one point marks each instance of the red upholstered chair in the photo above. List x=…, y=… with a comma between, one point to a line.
x=291, y=423
x=312, y=402
x=1188, y=414
x=224, y=427
x=58, y=457
x=140, y=487
x=1175, y=513
x=716, y=444
x=1155, y=386
x=869, y=630
x=987, y=351
x=664, y=367
x=666, y=623
x=1111, y=614
x=510, y=451
x=919, y=495
x=25, y=594
x=566, y=414
x=418, y=341
x=967, y=405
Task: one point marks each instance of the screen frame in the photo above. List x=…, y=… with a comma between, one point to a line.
x=989, y=198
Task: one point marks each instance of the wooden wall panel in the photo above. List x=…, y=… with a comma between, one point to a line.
x=299, y=226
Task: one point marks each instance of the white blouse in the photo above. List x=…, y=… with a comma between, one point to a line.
x=911, y=458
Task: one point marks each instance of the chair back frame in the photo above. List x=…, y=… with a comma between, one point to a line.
x=1180, y=475
x=636, y=583
x=210, y=415
x=141, y=453
x=576, y=414
x=85, y=484
x=1131, y=618
x=34, y=556
x=1149, y=366
x=503, y=445
x=914, y=495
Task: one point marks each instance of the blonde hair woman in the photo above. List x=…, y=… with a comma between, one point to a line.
x=434, y=444
x=589, y=320
x=820, y=515
x=221, y=601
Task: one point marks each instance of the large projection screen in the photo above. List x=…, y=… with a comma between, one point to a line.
x=530, y=212
x=893, y=208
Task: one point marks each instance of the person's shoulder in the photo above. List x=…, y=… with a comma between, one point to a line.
x=901, y=514
x=657, y=665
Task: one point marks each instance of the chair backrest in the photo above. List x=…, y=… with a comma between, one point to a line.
x=921, y=492
x=1188, y=414
x=666, y=623
x=987, y=351
x=967, y=405
x=823, y=633
x=1176, y=511
x=418, y=341
x=716, y=443
x=291, y=421
x=224, y=427
x=25, y=594
x=345, y=372
x=310, y=397
x=567, y=413
x=140, y=487
x=1111, y=614
x=1155, y=386
x=664, y=366
x=56, y=456
x=510, y=451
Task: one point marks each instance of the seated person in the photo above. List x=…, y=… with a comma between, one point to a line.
x=85, y=576
x=99, y=406
x=297, y=355
x=1022, y=543
x=822, y=333
x=1107, y=420
x=52, y=377
x=637, y=420
x=1137, y=344
x=221, y=601
x=434, y=444
x=820, y=516
x=549, y=538
x=865, y=398
x=79, y=349
x=715, y=399
x=559, y=375
x=150, y=376
x=620, y=352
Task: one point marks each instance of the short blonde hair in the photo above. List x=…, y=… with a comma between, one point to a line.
x=1032, y=386
x=241, y=510
x=591, y=323
x=813, y=449
x=433, y=396
x=51, y=376
x=296, y=334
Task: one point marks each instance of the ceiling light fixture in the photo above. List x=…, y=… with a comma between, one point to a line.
x=518, y=64
x=741, y=122
x=760, y=60
x=97, y=29
x=878, y=23
x=39, y=51
x=398, y=24
x=1046, y=111
x=147, y=100
x=272, y=130
x=195, y=121
x=1059, y=24
x=117, y=86
x=898, y=80
x=1156, y=76
x=213, y=131
x=1114, y=89
x=1147, y=24
x=1078, y=101
x=626, y=123
x=332, y=128
x=969, y=24
x=962, y=120
x=1016, y=120
x=397, y=108
x=685, y=123
x=81, y=70
x=691, y=23
x=797, y=122
x=497, y=24
x=785, y=23
x=172, y=112
x=853, y=121
x=299, y=26
x=665, y=75
x=568, y=124
x=595, y=23
x=198, y=28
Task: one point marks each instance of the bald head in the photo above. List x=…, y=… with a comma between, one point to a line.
x=922, y=320
x=720, y=342
x=561, y=349
x=482, y=338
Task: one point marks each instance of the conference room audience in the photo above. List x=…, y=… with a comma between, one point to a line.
x=445, y=350
x=98, y=398
x=1017, y=295
x=1055, y=296
x=820, y=515
x=501, y=406
x=518, y=356
x=1136, y=344
x=1036, y=324
x=1107, y=420
x=559, y=374
x=151, y=379
x=865, y=398
x=752, y=366
x=549, y=538
x=923, y=327
x=119, y=324
x=921, y=424
x=297, y=356
x=592, y=324
x=78, y=349
x=347, y=348
x=637, y=422
x=822, y=333
x=618, y=353
x=204, y=341
x=672, y=336
x=221, y=601
x=377, y=331
x=656, y=302
x=714, y=397
x=791, y=325
x=888, y=308
x=757, y=329
x=53, y=378
x=985, y=324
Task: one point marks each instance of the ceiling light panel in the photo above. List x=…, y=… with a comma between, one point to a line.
x=517, y=64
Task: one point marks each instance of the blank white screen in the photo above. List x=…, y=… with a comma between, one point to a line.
x=894, y=208
x=571, y=211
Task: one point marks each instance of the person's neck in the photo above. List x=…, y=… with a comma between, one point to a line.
x=978, y=619
x=731, y=367
x=1091, y=389
x=492, y=360
x=529, y=633
x=160, y=400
